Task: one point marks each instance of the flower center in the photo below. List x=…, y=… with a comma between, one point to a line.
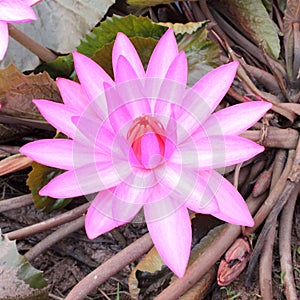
x=147, y=138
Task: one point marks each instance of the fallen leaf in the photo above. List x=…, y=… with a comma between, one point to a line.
x=14, y=163
x=17, y=91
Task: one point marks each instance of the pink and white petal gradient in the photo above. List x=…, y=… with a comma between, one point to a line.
x=146, y=141
x=13, y=11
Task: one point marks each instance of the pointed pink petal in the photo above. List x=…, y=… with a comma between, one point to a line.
x=151, y=151
x=91, y=75
x=118, y=112
x=202, y=199
x=55, y=153
x=171, y=233
x=215, y=152
x=58, y=115
x=168, y=94
x=233, y=208
x=99, y=218
x=127, y=202
x=190, y=118
x=16, y=11
x=235, y=119
x=72, y=94
x=31, y=2
x=4, y=38
x=214, y=85
x=171, y=136
x=161, y=59
x=124, y=47
x=84, y=180
x=178, y=69
x=187, y=186
x=95, y=133
x=125, y=103
x=124, y=71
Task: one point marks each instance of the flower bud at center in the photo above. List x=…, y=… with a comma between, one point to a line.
x=147, y=138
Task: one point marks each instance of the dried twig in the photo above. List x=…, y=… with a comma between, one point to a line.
x=110, y=267
x=208, y=258
x=50, y=223
x=54, y=238
x=42, y=52
x=285, y=232
x=265, y=266
x=17, y=202
x=273, y=196
x=291, y=186
x=274, y=137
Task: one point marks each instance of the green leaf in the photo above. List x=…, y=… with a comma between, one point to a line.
x=130, y=25
x=18, y=279
x=282, y=5
x=202, y=54
x=39, y=177
x=63, y=66
x=252, y=18
x=144, y=47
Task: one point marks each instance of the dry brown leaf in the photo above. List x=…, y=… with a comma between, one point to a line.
x=17, y=91
x=14, y=163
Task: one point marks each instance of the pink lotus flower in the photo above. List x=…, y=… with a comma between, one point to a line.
x=146, y=141
x=14, y=11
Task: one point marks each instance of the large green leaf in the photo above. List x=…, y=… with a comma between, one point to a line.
x=18, y=279
x=63, y=66
x=130, y=25
x=252, y=18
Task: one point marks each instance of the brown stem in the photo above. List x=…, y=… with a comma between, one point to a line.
x=273, y=196
x=42, y=52
x=270, y=221
x=291, y=186
x=279, y=163
x=208, y=258
x=264, y=77
x=16, y=202
x=274, y=137
x=50, y=223
x=110, y=267
x=54, y=238
x=285, y=232
x=205, y=10
x=265, y=266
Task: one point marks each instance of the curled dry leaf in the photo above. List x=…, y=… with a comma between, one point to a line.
x=180, y=28
x=17, y=91
x=14, y=163
x=236, y=259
